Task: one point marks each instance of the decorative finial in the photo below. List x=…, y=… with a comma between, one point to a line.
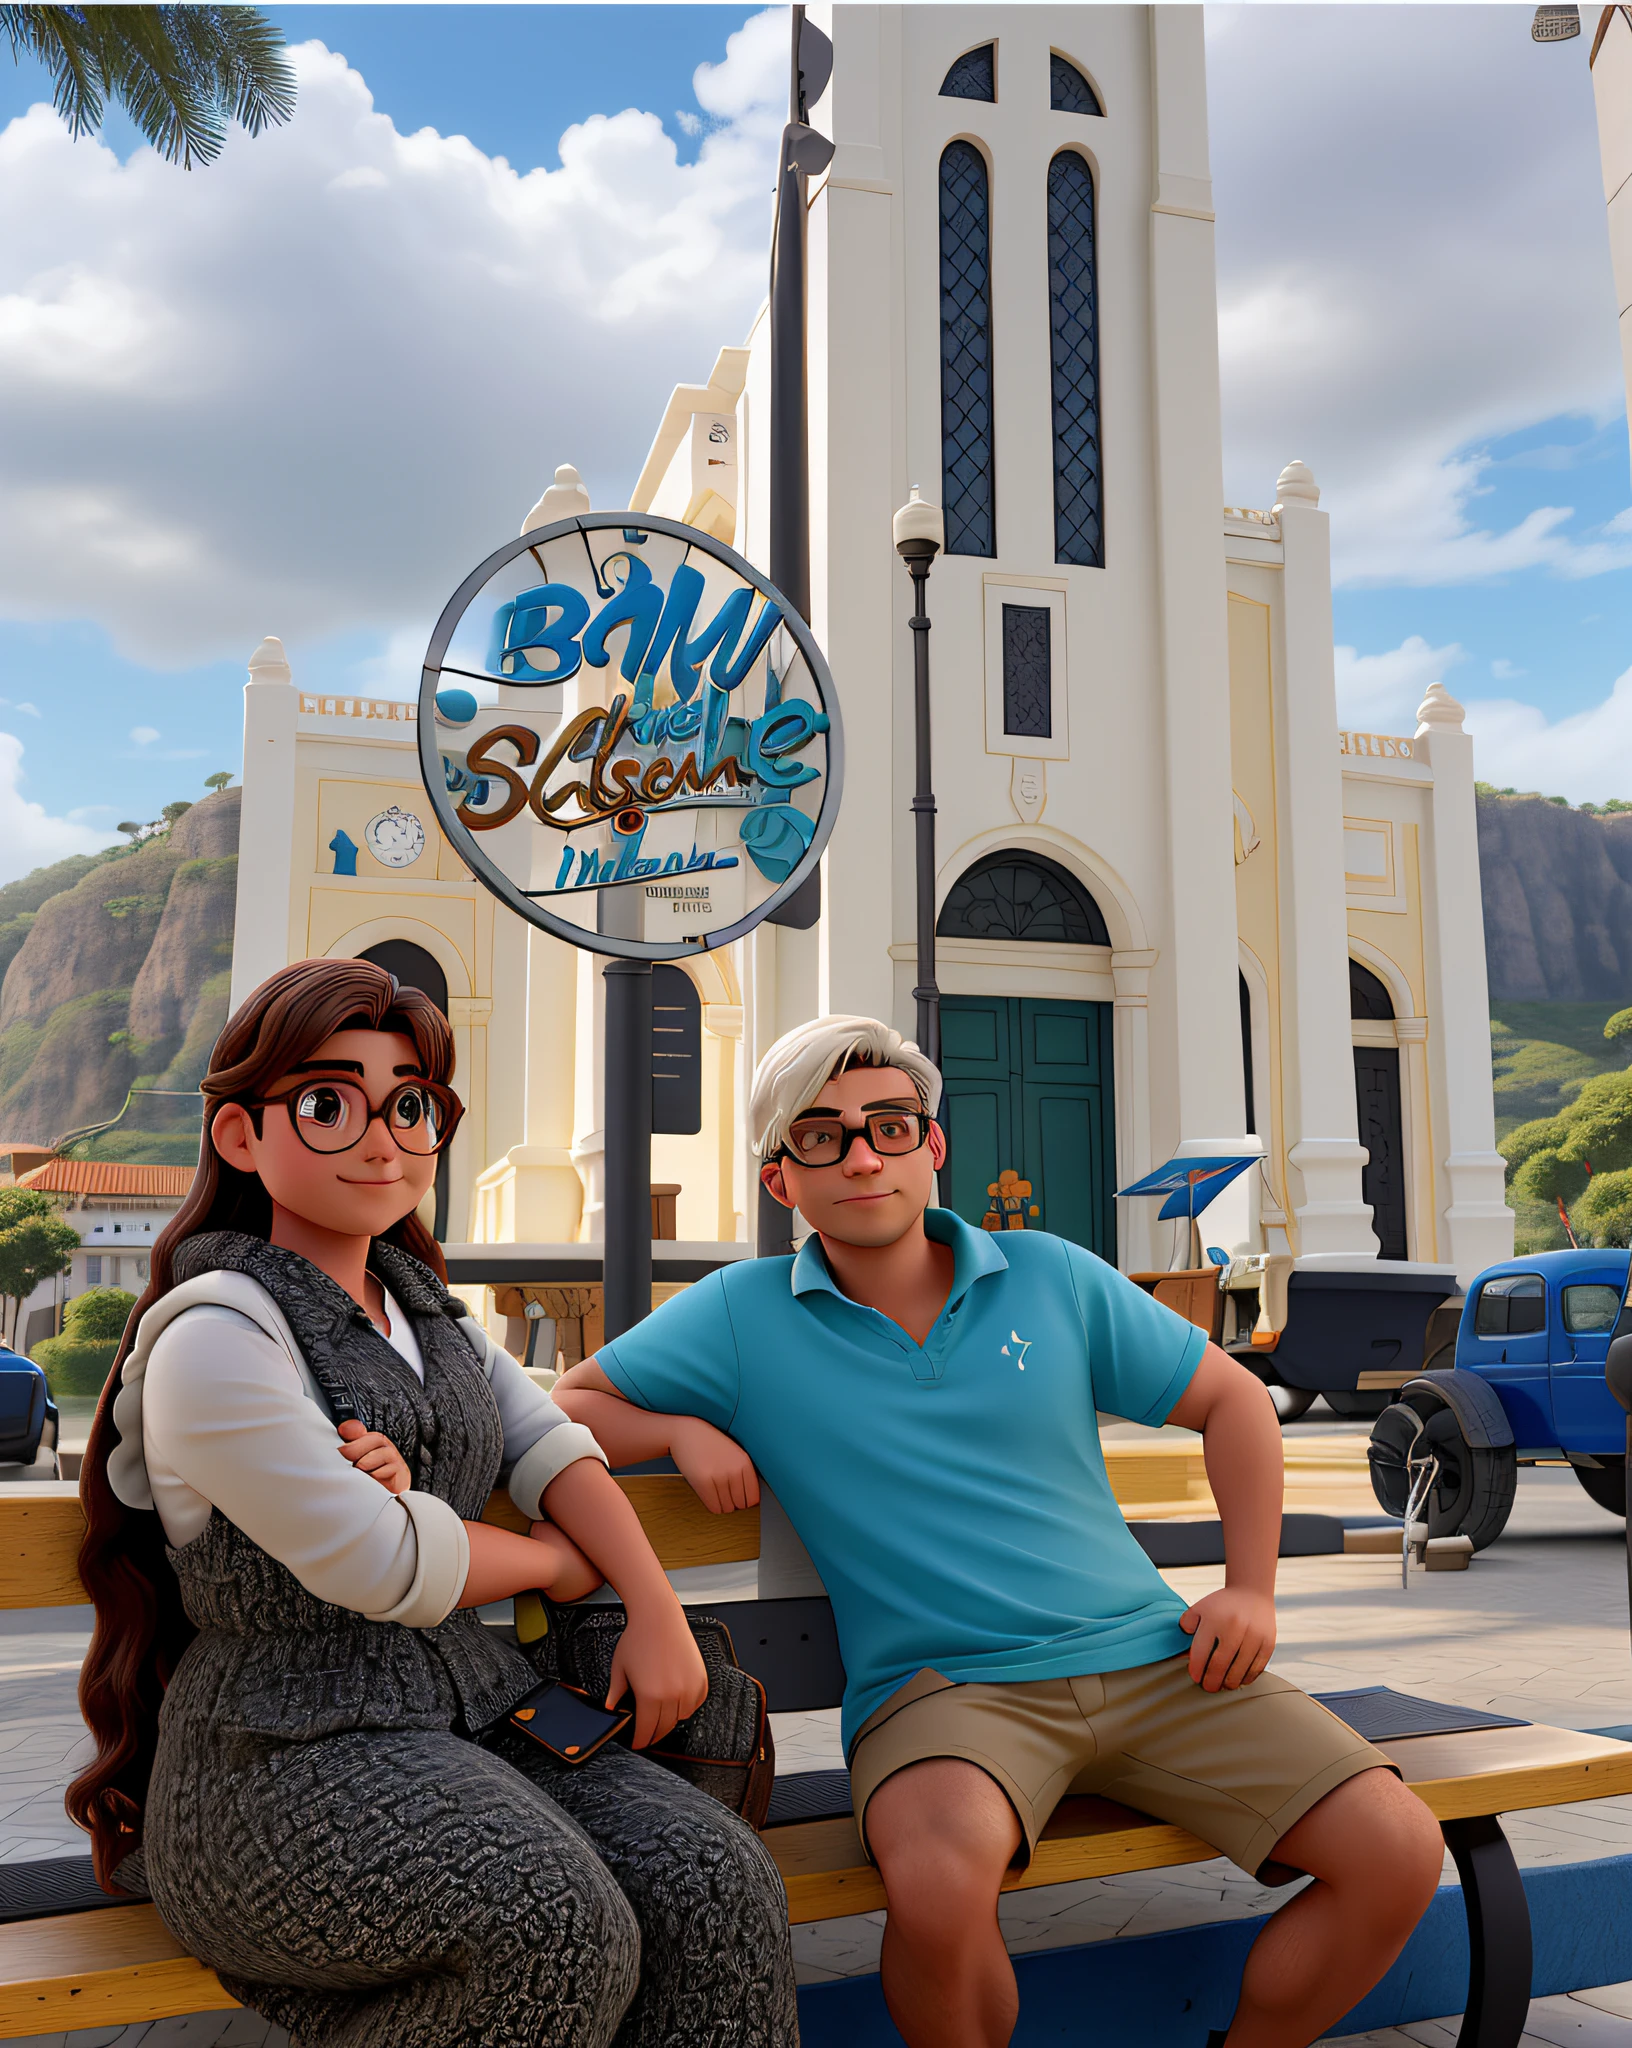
x=1295, y=486
x=269, y=663
x=564, y=499
x=1439, y=711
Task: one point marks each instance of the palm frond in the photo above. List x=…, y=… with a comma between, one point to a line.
x=183, y=74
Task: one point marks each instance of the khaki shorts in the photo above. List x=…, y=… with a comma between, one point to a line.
x=1239, y=1769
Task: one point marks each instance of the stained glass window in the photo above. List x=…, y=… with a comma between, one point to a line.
x=974, y=76
x=1025, y=896
x=1074, y=332
x=1028, y=672
x=967, y=495
x=1068, y=91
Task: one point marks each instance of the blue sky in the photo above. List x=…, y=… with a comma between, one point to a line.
x=511, y=78
x=300, y=392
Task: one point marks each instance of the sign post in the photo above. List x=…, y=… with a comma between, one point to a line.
x=630, y=737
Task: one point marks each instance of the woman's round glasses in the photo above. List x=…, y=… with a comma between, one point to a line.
x=825, y=1140
x=331, y=1116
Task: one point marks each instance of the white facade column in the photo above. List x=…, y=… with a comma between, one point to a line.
x=1323, y=1143
x=1130, y=1048
x=266, y=832
x=1478, y=1223
x=1208, y=1097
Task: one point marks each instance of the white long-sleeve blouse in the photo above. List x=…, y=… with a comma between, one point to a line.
x=230, y=1418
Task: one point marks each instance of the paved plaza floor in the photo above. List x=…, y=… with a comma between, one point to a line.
x=1536, y=1628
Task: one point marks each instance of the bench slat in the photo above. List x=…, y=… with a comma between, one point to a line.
x=1490, y=1770
x=110, y=1968
x=826, y=1874
x=41, y=1526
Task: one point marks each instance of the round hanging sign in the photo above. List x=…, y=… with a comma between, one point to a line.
x=629, y=735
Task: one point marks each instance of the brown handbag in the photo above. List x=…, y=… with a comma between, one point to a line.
x=724, y=1749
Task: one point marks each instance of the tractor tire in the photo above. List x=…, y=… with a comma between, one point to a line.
x=1605, y=1487
x=1473, y=1494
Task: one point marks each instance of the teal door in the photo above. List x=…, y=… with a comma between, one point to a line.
x=1028, y=1086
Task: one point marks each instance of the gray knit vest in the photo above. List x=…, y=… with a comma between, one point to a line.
x=270, y=1659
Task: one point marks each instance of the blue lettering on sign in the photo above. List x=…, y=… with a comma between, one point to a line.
x=551, y=625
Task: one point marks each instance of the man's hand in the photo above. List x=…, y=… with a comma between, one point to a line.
x=376, y=1455
x=720, y=1472
x=1233, y=1633
x=659, y=1662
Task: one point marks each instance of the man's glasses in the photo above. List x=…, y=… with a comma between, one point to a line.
x=826, y=1140
x=331, y=1116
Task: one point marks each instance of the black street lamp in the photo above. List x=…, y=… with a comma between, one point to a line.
x=920, y=534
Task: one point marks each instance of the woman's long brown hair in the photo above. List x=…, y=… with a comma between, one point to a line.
x=141, y=1629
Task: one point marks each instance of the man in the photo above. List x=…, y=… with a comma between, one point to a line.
x=921, y=1395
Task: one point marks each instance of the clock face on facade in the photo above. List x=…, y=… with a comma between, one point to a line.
x=396, y=837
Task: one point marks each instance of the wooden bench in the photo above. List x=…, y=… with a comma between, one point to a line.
x=118, y=1965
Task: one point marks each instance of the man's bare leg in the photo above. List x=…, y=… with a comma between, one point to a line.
x=942, y=1834
x=1375, y=1853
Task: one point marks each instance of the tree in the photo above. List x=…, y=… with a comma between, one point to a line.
x=172, y=812
x=99, y=1315
x=130, y=825
x=217, y=781
x=35, y=1243
x=181, y=73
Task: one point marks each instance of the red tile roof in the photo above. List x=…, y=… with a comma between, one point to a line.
x=109, y=1177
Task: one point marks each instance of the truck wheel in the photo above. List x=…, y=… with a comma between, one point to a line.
x=1605, y=1486
x=1356, y=1407
x=1473, y=1493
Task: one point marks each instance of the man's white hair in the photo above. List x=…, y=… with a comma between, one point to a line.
x=802, y=1062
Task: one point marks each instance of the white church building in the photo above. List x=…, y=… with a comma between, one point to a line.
x=1180, y=910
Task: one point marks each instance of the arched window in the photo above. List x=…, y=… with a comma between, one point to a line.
x=1379, y=1115
x=1026, y=896
x=967, y=495
x=415, y=968
x=1246, y=1052
x=1074, y=330
x=1368, y=996
x=973, y=76
x=1068, y=91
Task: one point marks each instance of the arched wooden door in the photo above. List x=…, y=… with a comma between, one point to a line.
x=415, y=968
x=1028, y=1080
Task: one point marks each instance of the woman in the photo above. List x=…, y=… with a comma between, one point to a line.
x=292, y=1695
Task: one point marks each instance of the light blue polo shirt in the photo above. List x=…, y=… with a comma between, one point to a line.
x=953, y=1495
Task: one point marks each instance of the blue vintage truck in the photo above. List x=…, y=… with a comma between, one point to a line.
x=1524, y=1382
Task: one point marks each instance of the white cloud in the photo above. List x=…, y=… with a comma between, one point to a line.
x=29, y=836
x=1381, y=692
x=1586, y=757
x=312, y=386
x=10, y=704
x=144, y=735
x=1413, y=260
x=1504, y=671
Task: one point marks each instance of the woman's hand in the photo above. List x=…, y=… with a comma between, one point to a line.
x=376, y=1455
x=659, y=1662
x=567, y=1573
x=719, y=1472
